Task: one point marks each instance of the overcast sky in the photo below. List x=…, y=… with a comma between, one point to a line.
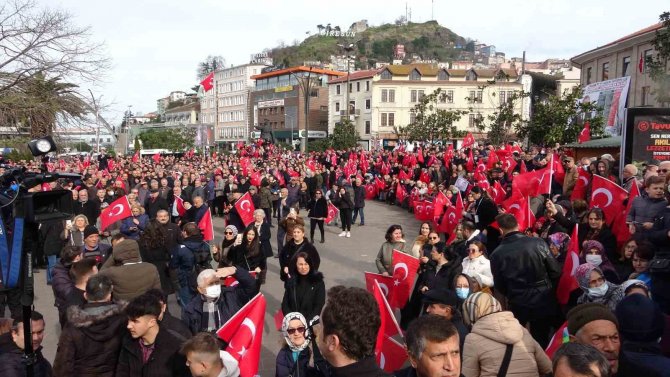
x=155, y=45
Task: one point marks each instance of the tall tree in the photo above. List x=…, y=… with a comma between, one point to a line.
x=560, y=119
x=504, y=120
x=344, y=135
x=658, y=65
x=45, y=43
x=210, y=64
x=173, y=139
x=431, y=122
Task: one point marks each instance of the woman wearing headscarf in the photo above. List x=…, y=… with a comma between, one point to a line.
x=593, y=252
x=293, y=358
x=558, y=246
x=229, y=240
x=493, y=333
x=596, y=288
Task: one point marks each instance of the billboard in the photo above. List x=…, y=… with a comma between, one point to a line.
x=647, y=135
x=610, y=96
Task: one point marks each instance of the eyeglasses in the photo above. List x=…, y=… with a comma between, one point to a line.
x=664, y=170
x=300, y=330
x=434, y=238
x=228, y=233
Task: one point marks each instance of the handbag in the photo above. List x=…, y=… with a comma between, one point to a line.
x=502, y=372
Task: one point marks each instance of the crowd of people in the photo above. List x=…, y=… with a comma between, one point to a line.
x=491, y=288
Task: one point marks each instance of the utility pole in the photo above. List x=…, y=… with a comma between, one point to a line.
x=96, y=106
x=306, y=86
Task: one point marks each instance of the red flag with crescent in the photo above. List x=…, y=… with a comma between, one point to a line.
x=583, y=180
x=256, y=178
x=471, y=162
x=390, y=355
x=607, y=196
x=206, y=226
x=400, y=193
x=245, y=208
x=585, y=134
x=420, y=157
x=405, y=268
x=117, y=211
x=380, y=184
x=370, y=191
x=208, y=82
x=179, y=202
x=468, y=141
x=243, y=333
x=136, y=157
x=156, y=157
x=568, y=282
x=332, y=212
x=523, y=168
x=438, y=204
x=385, y=283
x=111, y=165
x=280, y=177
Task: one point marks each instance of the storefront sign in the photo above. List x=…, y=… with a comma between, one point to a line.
x=272, y=103
x=647, y=135
x=286, y=88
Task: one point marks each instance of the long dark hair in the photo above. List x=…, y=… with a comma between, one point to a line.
x=153, y=236
x=253, y=249
x=293, y=264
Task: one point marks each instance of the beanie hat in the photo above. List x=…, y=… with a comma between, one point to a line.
x=583, y=314
x=90, y=230
x=640, y=319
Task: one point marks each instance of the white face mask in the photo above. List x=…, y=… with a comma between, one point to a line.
x=598, y=291
x=213, y=291
x=595, y=260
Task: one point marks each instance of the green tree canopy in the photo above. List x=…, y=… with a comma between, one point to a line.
x=173, y=139
x=560, y=119
x=344, y=135
x=431, y=122
x=658, y=65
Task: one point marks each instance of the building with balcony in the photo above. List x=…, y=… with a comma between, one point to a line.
x=278, y=101
x=359, y=92
x=226, y=107
x=397, y=89
x=623, y=57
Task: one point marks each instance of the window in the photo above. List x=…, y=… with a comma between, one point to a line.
x=412, y=95
x=589, y=72
x=450, y=96
x=384, y=119
x=314, y=93
x=471, y=96
x=351, y=87
x=391, y=119
x=502, y=97
x=388, y=119
x=475, y=96
x=442, y=75
x=337, y=107
x=646, y=90
x=414, y=75
x=323, y=108
x=368, y=104
x=391, y=95
x=358, y=86
x=367, y=127
x=474, y=119
x=386, y=75
x=367, y=86
x=624, y=66
x=648, y=54
x=385, y=95
x=420, y=94
x=338, y=89
x=605, y=72
x=479, y=96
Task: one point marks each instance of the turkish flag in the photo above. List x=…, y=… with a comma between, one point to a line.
x=206, y=226
x=389, y=325
x=468, y=141
x=243, y=333
x=118, y=210
x=370, y=191
x=424, y=177
x=420, y=156
x=523, y=168
x=534, y=183
x=110, y=165
x=61, y=164
x=583, y=180
x=402, y=175
x=471, y=162
x=136, y=156
x=561, y=336
x=620, y=227
x=156, y=157
x=380, y=184
x=448, y=155
x=607, y=196
x=387, y=353
x=332, y=213
x=208, y=82
x=245, y=207
x=492, y=160
x=509, y=164
x=405, y=268
x=400, y=193
x=280, y=177
x=585, y=134
x=230, y=281
x=385, y=283
x=256, y=178
x=559, y=172
x=391, y=356
x=181, y=210
x=438, y=204
x=51, y=166
x=452, y=216
x=518, y=206
x=568, y=282
x=497, y=193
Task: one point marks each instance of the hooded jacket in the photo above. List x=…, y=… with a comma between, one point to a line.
x=89, y=344
x=130, y=276
x=485, y=347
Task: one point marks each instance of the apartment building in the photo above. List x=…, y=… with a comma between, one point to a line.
x=357, y=87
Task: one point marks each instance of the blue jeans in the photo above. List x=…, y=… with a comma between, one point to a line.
x=51, y=263
x=356, y=212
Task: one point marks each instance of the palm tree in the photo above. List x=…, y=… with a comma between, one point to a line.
x=39, y=102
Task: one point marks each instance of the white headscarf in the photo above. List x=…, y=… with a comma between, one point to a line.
x=284, y=329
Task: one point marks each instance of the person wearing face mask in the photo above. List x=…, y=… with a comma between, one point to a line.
x=596, y=288
x=215, y=304
x=464, y=286
x=593, y=252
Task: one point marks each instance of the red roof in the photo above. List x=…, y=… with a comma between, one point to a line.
x=300, y=68
x=356, y=76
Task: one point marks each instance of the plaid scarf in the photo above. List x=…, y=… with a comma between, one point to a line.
x=211, y=310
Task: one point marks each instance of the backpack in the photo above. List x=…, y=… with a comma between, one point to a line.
x=201, y=261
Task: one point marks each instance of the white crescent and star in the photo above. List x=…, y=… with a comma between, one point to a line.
x=384, y=288
x=515, y=206
x=250, y=324
x=242, y=203
x=584, y=179
x=402, y=266
x=605, y=192
x=114, y=212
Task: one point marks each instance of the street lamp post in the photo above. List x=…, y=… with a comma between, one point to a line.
x=292, y=120
x=306, y=86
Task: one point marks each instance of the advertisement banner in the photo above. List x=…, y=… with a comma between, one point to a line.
x=647, y=135
x=610, y=96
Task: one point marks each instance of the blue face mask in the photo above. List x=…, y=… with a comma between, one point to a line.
x=462, y=293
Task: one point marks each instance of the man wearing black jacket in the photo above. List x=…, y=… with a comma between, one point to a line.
x=359, y=201
x=155, y=203
x=87, y=207
x=12, y=345
x=525, y=273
